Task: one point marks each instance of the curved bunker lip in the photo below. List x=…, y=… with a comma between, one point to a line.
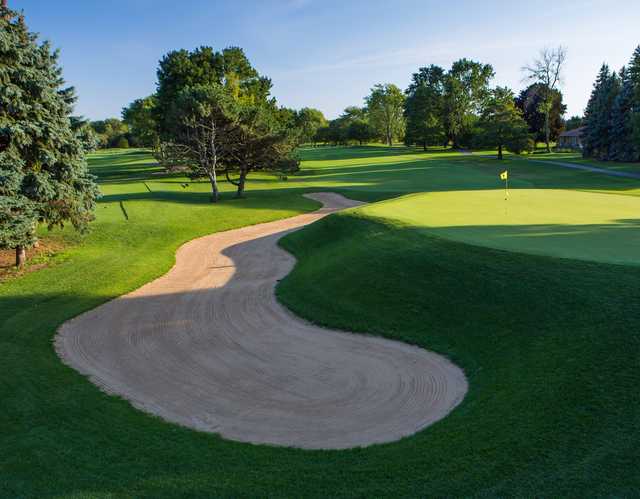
x=208, y=346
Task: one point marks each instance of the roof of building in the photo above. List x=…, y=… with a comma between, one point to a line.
x=576, y=132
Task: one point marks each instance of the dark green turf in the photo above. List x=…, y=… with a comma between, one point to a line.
x=549, y=346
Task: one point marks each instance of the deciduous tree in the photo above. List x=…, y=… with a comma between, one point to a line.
x=574, y=122
x=259, y=140
x=501, y=124
x=229, y=69
x=385, y=108
x=140, y=117
x=546, y=70
x=308, y=121
x=531, y=103
x=360, y=131
x=466, y=90
x=109, y=131
x=424, y=107
x=205, y=121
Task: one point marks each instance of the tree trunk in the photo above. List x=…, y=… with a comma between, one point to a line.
x=424, y=146
x=500, y=152
x=21, y=256
x=214, y=187
x=547, y=130
x=241, y=182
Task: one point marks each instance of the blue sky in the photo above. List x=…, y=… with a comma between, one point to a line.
x=328, y=53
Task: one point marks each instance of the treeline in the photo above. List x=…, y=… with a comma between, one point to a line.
x=612, y=117
x=458, y=108
x=106, y=134
x=455, y=107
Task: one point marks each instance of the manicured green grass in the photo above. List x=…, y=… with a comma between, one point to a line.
x=561, y=223
x=549, y=345
x=373, y=173
x=550, y=348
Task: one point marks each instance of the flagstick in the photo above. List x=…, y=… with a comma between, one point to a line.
x=506, y=196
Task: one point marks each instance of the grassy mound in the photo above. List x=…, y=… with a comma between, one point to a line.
x=550, y=348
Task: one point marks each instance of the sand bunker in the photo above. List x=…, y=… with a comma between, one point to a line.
x=208, y=346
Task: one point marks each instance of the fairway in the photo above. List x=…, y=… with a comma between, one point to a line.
x=360, y=274
x=560, y=223
x=550, y=386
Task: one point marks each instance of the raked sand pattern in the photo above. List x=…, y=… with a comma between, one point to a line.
x=209, y=347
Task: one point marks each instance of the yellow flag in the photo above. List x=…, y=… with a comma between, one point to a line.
x=504, y=175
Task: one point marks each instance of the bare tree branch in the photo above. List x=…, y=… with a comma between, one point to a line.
x=546, y=70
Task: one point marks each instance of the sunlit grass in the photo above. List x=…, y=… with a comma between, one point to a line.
x=549, y=345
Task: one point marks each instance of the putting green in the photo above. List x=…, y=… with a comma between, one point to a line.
x=568, y=224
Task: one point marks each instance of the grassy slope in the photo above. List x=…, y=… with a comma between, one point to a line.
x=550, y=348
x=61, y=437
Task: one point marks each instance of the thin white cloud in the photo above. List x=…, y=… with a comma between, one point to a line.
x=417, y=56
x=298, y=4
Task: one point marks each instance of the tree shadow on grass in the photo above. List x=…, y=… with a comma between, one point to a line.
x=617, y=242
x=253, y=199
x=411, y=172
x=120, y=166
x=341, y=153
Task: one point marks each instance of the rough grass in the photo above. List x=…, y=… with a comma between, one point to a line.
x=549, y=345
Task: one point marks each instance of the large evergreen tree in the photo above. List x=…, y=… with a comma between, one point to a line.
x=633, y=74
x=43, y=173
x=597, y=136
x=622, y=147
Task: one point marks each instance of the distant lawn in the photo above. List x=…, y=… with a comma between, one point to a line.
x=123, y=164
x=578, y=159
x=378, y=172
x=550, y=346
